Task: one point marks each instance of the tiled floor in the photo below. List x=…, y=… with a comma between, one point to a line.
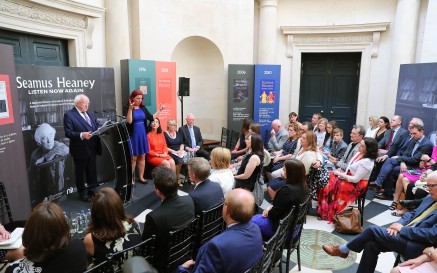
x=376, y=212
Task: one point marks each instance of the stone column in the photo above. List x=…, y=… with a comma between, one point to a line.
x=268, y=31
x=117, y=41
x=403, y=49
x=428, y=54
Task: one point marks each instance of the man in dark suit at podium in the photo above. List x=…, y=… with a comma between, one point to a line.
x=192, y=138
x=78, y=126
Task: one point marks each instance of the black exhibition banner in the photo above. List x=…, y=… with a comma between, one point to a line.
x=240, y=94
x=417, y=95
x=46, y=93
x=12, y=161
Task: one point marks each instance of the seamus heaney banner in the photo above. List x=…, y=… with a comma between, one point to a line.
x=46, y=93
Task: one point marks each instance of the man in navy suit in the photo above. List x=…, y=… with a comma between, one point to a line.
x=78, y=126
x=206, y=194
x=239, y=247
x=174, y=212
x=192, y=138
x=407, y=159
x=408, y=236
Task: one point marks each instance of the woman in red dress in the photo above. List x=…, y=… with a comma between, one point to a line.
x=344, y=187
x=158, y=151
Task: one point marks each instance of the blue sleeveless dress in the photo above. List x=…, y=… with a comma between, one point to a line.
x=138, y=138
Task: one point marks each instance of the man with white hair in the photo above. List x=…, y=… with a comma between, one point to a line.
x=46, y=167
x=192, y=138
x=278, y=136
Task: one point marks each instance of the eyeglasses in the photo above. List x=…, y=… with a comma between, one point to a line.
x=430, y=185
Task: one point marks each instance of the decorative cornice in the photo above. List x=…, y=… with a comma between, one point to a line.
x=54, y=13
x=335, y=34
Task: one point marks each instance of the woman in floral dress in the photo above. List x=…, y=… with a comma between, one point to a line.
x=110, y=229
x=344, y=187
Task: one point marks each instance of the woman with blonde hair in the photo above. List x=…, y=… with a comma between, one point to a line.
x=374, y=127
x=110, y=229
x=220, y=162
x=175, y=144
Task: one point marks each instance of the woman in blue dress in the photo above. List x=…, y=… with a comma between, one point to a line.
x=137, y=116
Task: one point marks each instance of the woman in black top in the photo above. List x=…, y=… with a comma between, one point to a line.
x=294, y=192
x=251, y=165
x=47, y=244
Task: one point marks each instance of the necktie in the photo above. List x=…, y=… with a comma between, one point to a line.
x=423, y=215
x=87, y=119
x=193, y=139
x=415, y=147
x=390, y=140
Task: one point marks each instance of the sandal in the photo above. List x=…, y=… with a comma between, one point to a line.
x=393, y=205
x=397, y=213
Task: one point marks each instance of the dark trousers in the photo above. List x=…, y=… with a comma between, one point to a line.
x=374, y=240
x=86, y=170
x=202, y=153
x=389, y=171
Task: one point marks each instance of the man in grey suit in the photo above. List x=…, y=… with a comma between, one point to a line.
x=357, y=134
x=278, y=136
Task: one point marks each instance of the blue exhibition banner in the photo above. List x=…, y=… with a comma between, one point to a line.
x=266, y=97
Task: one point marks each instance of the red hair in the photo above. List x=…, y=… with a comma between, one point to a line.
x=135, y=93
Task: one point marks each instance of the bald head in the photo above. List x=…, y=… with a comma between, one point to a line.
x=276, y=125
x=190, y=119
x=239, y=206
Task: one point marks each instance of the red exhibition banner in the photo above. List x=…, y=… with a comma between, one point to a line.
x=166, y=91
x=6, y=111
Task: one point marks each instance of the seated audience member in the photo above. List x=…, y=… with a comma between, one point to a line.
x=325, y=147
x=250, y=167
x=255, y=128
x=384, y=125
x=308, y=153
x=192, y=138
x=47, y=244
x=356, y=135
x=287, y=150
x=4, y=235
x=413, y=191
x=278, y=136
x=158, y=152
x=395, y=140
x=408, y=236
x=110, y=229
x=292, y=119
x=240, y=147
x=236, y=249
x=294, y=192
x=344, y=187
x=321, y=131
x=315, y=120
x=373, y=127
x=206, y=194
x=174, y=144
x=427, y=262
x=407, y=159
x=220, y=163
x=174, y=212
x=337, y=149
x=410, y=176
